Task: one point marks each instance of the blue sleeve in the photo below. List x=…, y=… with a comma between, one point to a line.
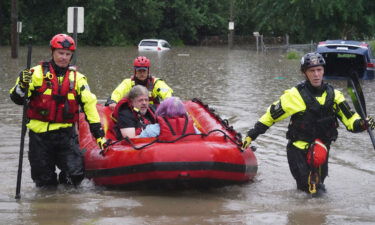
x=151, y=130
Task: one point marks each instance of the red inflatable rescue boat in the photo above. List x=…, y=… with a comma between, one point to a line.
x=211, y=159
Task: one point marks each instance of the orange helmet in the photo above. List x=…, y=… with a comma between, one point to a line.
x=317, y=154
x=62, y=41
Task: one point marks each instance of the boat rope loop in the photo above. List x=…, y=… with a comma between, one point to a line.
x=223, y=122
x=174, y=140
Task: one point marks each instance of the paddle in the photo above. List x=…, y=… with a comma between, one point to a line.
x=356, y=93
x=24, y=120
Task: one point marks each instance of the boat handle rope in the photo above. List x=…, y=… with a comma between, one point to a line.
x=223, y=122
x=171, y=141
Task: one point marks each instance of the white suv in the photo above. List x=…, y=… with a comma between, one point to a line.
x=153, y=45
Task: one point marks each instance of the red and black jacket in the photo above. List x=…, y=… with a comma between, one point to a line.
x=50, y=102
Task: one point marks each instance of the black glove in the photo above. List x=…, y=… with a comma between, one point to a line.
x=25, y=78
x=96, y=130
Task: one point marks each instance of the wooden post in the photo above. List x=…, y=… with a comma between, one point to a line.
x=1, y=21
x=231, y=31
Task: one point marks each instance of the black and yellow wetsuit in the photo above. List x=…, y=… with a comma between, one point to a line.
x=314, y=113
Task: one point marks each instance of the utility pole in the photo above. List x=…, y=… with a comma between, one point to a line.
x=231, y=25
x=1, y=21
x=14, y=35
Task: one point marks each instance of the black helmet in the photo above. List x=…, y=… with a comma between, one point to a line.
x=310, y=60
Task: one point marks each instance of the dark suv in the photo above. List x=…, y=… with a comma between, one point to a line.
x=344, y=57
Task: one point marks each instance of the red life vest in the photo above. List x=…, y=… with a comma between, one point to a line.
x=50, y=102
x=142, y=119
x=175, y=126
x=150, y=87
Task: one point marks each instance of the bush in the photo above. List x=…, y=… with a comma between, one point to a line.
x=293, y=55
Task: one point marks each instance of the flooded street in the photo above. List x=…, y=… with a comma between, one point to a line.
x=240, y=85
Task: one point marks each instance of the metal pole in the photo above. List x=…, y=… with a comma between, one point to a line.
x=23, y=128
x=75, y=19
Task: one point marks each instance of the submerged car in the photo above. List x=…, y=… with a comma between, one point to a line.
x=345, y=57
x=153, y=45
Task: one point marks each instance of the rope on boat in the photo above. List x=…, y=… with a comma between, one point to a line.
x=224, y=122
x=175, y=140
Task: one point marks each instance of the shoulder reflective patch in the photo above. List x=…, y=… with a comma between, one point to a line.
x=84, y=87
x=276, y=110
x=163, y=90
x=345, y=108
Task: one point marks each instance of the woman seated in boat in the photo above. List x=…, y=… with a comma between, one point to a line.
x=172, y=119
x=133, y=113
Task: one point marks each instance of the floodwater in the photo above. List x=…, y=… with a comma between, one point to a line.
x=239, y=84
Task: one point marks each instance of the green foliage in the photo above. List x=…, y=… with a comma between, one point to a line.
x=306, y=20
x=126, y=22
x=293, y=55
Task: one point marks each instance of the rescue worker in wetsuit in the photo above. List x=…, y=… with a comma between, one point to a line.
x=158, y=89
x=314, y=107
x=133, y=113
x=55, y=92
x=173, y=121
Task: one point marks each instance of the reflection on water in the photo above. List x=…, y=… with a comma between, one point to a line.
x=240, y=85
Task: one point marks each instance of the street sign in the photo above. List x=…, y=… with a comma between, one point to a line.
x=19, y=27
x=79, y=19
x=231, y=25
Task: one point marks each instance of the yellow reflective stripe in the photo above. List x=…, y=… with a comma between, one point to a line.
x=48, y=92
x=71, y=96
x=301, y=144
x=38, y=126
